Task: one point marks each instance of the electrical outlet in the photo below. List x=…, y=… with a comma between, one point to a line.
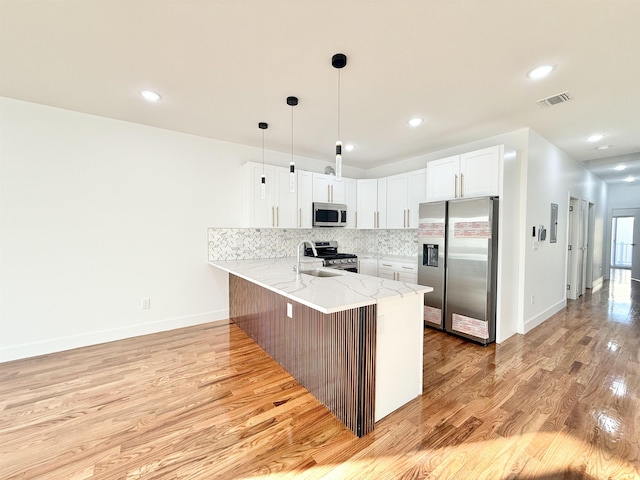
x=532, y=299
x=146, y=303
x=289, y=310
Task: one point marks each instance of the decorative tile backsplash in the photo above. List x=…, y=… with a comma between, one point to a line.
x=246, y=243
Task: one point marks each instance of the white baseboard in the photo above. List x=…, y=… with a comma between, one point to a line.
x=545, y=315
x=27, y=350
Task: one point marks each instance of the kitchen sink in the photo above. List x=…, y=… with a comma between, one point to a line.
x=321, y=273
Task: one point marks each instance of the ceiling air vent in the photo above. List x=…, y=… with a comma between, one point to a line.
x=554, y=99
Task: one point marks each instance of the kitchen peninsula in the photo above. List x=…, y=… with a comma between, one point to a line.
x=354, y=341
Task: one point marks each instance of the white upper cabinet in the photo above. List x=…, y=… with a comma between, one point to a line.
x=404, y=193
x=351, y=200
x=371, y=203
x=305, y=199
x=480, y=172
x=329, y=190
x=397, y=201
x=278, y=208
x=472, y=174
x=443, y=178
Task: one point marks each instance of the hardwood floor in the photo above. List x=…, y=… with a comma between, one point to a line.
x=205, y=402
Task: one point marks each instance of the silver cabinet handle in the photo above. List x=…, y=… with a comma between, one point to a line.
x=356, y=220
x=461, y=185
x=408, y=218
x=455, y=186
x=300, y=218
x=273, y=216
x=277, y=216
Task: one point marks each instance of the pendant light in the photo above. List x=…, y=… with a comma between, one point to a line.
x=263, y=178
x=292, y=102
x=339, y=60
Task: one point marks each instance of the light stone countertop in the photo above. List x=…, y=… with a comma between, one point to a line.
x=325, y=294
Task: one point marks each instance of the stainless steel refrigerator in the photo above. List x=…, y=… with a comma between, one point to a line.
x=458, y=247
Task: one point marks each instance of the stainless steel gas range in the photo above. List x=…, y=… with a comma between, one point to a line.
x=328, y=252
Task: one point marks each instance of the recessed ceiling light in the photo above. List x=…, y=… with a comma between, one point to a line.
x=349, y=147
x=541, y=72
x=629, y=179
x=150, y=95
x=595, y=137
x=619, y=168
x=604, y=147
x=414, y=122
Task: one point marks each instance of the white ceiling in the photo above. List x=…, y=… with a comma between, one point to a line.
x=224, y=65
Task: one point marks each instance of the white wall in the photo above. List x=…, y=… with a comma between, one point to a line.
x=552, y=177
x=96, y=214
x=624, y=195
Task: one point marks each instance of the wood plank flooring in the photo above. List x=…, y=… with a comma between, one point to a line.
x=206, y=402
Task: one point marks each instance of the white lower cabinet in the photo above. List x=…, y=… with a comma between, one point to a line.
x=368, y=266
x=400, y=271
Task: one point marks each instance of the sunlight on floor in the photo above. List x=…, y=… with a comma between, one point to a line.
x=620, y=296
x=517, y=455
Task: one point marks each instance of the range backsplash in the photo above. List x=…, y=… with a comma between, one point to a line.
x=245, y=243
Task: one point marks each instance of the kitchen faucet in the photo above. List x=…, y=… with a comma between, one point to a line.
x=315, y=254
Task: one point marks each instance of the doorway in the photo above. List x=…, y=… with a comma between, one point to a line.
x=625, y=241
x=621, y=242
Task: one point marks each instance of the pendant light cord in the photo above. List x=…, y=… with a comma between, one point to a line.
x=263, y=152
x=292, y=133
x=338, y=104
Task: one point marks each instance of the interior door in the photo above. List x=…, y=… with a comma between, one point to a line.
x=572, y=247
x=582, y=257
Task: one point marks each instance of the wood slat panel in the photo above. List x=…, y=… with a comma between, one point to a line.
x=331, y=355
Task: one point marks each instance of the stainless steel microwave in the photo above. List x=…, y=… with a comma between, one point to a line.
x=329, y=215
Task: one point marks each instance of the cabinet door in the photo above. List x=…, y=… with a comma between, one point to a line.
x=351, y=200
x=367, y=202
x=407, y=272
x=382, y=203
x=397, y=201
x=442, y=178
x=305, y=198
x=368, y=266
x=480, y=172
x=417, y=184
x=260, y=211
x=407, y=277
x=338, y=190
x=321, y=188
x=286, y=201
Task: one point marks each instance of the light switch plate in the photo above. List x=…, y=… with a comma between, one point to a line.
x=289, y=310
